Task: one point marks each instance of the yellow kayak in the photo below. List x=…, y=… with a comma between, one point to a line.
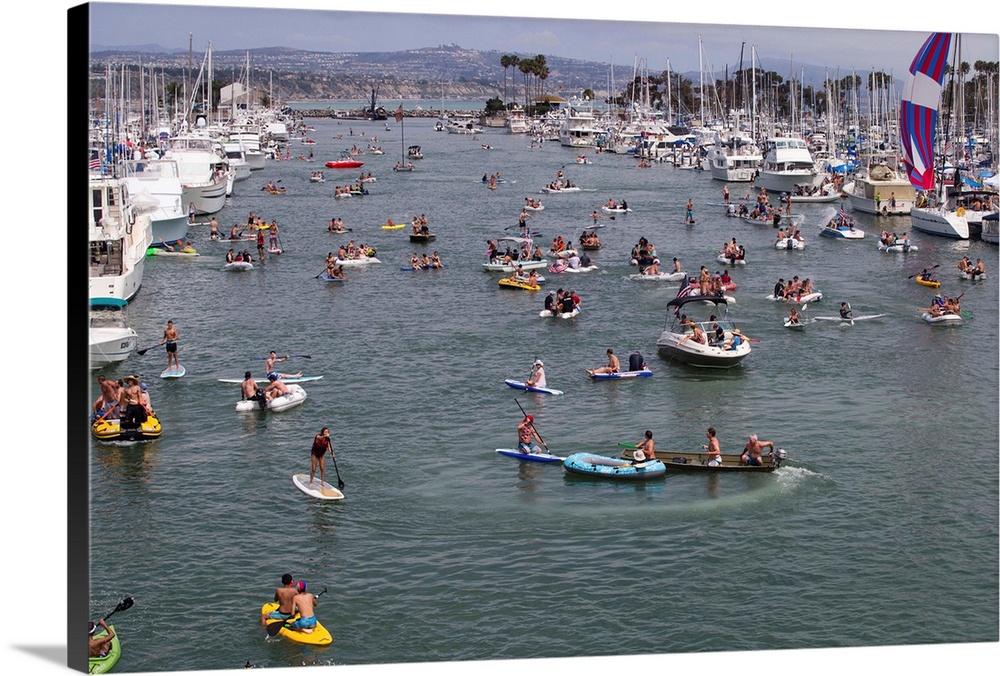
x=395, y=226
x=109, y=429
x=318, y=636
x=933, y=283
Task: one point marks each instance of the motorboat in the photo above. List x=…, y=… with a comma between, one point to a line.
x=734, y=160
x=463, y=124
x=414, y=153
x=346, y=161
x=248, y=140
x=523, y=256
x=681, y=461
x=155, y=188
x=788, y=164
x=842, y=228
x=516, y=122
x=675, y=342
x=879, y=189
x=203, y=171
x=578, y=128
x=118, y=237
x=111, y=338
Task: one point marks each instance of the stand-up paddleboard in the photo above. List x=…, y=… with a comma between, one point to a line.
x=320, y=489
x=174, y=372
x=847, y=320
x=518, y=385
x=530, y=457
x=264, y=381
x=643, y=373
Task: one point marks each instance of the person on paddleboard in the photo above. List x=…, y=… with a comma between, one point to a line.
x=321, y=444
x=304, y=605
x=526, y=435
x=845, y=311
x=170, y=340
x=272, y=359
x=613, y=365
x=537, y=376
x=283, y=596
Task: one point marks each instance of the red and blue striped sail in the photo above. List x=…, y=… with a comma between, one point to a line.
x=919, y=109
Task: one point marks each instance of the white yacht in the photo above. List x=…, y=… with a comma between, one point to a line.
x=879, y=189
x=236, y=155
x=249, y=141
x=111, y=338
x=735, y=159
x=118, y=237
x=952, y=212
x=516, y=122
x=155, y=189
x=203, y=171
x=787, y=164
x=578, y=129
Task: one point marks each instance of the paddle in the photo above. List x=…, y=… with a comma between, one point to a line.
x=147, y=349
x=125, y=604
x=287, y=356
x=928, y=270
x=105, y=414
x=274, y=627
x=536, y=431
x=340, y=482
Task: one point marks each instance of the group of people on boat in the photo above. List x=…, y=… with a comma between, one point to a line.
x=941, y=305
x=352, y=251
x=560, y=184
x=733, y=251
x=795, y=233
x=532, y=203
x=713, y=335
x=419, y=225
x=574, y=261
x=316, y=176
x=589, y=240
x=644, y=254
x=562, y=301
x=525, y=252
x=966, y=266
x=891, y=239
x=399, y=166
x=334, y=270
x=841, y=222
x=233, y=256
x=343, y=191
x=337, y=225
x=426, y=262
x=616, y=206
x=126, y=398
x=793, y=289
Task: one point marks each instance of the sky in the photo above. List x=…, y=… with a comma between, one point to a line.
x=313, y=26
x=35, y=278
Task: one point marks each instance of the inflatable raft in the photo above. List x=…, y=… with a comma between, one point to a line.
x=949, y=319
x=560, y=315
x=238, y=266
x=808, y=298
x=730, y=261
x=790, y=243
x=112, y=429
x=600, y=466
x=661, y=277
x=296, y=395
x=643, y=373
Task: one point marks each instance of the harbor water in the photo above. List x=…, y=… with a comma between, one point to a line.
x=881, y=528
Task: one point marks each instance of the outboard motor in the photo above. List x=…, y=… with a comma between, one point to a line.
x=779, y=456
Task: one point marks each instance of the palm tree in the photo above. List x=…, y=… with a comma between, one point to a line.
x=526, y=66
x=505, y=61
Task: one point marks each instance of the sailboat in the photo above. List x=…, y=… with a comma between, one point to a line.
x=404, y=164
x=934, y=212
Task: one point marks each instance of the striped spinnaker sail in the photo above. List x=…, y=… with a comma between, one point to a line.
x=919, y=109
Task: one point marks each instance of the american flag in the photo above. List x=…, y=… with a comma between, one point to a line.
x=95, y=160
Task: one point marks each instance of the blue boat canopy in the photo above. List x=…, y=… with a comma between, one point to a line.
x=108, y=302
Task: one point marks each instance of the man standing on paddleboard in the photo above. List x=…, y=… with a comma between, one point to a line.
x=170, y=338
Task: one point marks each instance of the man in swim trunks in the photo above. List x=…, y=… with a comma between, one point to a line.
x=250, y=390
x=304, y=605
x=284, y=596
x=130, y=401
x=109, y=393
x=276, y=388
x=753, y=451
x=712, y=448
x=526, y=434
x=170, y=339
x=272, y=359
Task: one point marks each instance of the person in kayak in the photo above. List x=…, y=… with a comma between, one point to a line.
x=284, y=596
x=321, y=444
x=99, y=647
x=250, y=390
x=537, y=377
x=526, y=435
x=613, y=365
x=305, y=604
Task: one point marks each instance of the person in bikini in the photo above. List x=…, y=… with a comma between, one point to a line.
x=321, y=444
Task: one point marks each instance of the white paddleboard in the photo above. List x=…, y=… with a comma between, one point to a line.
x=264, y=381
x=174, y=373
x=320, y=489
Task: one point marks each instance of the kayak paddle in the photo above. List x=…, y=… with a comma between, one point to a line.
x=274, y=627
x=125, y=604
x=928, y=269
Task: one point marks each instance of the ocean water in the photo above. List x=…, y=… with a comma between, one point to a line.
x=880, y=529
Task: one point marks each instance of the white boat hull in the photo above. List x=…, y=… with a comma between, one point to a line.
x=936, y=221
x=524, y=265
x=110, y=345
x=697, y=354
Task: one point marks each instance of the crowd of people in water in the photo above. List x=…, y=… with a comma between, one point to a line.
x=793, y=289
x=425, y=262
x=561, y=301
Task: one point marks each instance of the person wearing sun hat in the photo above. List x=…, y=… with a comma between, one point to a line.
x=130, y=401
x=526, y=435
x=305, y=604
x=537, y=376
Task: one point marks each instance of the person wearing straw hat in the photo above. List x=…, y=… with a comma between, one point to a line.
x=130, y=401
x=736, y=340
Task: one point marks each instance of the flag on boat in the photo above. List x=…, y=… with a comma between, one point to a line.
x=399, y=113
x=95, y=159
x=919, y=109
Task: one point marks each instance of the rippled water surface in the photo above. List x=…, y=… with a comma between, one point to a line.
x=880, y=529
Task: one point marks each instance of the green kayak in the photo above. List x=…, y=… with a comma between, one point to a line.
x=100, y=665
